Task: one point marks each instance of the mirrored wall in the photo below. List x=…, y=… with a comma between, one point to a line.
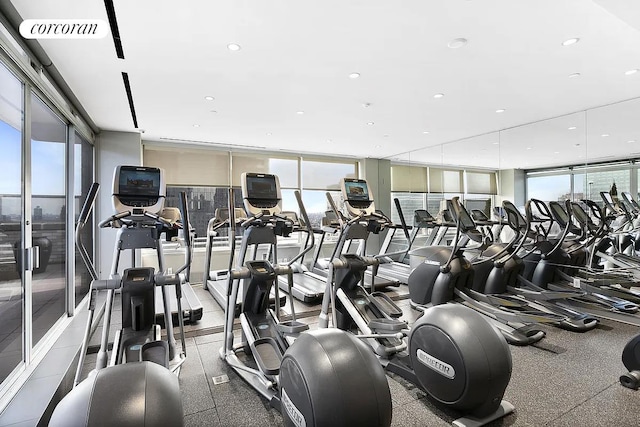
x=574, y=156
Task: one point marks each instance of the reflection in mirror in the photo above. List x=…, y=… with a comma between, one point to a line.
x=613, y=133
x=481, y=151
x=544, y=154
x=574, y=156
x=555, y=142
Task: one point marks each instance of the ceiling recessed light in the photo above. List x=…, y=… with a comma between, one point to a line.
x=233, y=46
x=500, y=110
x=572, y=128
x=604, y=135
x=196, y=126
x=354, y=75
x=378, y=146
x=572, y=75
x=630, y=72
x=426, y=132
x=269, y=134
x=569, y=42
x=209, y=98
x=370, y=123
x=556, y=152
x=438, y=95
x=496, y=143
x=528, y=148
x=300, y=112
x=456, y=43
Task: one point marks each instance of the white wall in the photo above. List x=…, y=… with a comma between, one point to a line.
x=113, y=149
x=512, y=186
x=377, y=172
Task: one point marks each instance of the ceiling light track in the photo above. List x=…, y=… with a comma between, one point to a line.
x=113, y=23
x=127, y=88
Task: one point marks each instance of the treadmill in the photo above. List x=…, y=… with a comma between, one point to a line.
x=422, y=220
x=331, y=224
x=307, y=286
x=261, y=191
x=397, y=270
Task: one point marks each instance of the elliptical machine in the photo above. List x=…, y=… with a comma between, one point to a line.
x=139, y=384
x=451, y=353
x=317, y=378
x=631, y=360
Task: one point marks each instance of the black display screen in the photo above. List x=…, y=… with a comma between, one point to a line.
x=560, y=213
x=608, y=200
x=579, y=213
x=139, y=181
x=357, y=191
x=262, y=187
x=422, y=215
x=465, y=220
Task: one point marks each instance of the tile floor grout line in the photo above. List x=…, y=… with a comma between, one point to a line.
x=204, y=371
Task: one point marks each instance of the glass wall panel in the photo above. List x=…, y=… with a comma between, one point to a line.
x=581, y=189
x=433, y=203
x=316, y=204
x=548, y=188
x=83, y=178
x=204, y=204
x=11, y=290
x=409, y=202
x=48, y=190
x=613, y=181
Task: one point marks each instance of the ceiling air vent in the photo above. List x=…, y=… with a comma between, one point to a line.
x=113, y=23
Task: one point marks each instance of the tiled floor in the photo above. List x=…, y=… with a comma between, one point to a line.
x=568, y=379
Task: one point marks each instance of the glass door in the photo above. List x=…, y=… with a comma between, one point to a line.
x=11, y=287
x=48, y=211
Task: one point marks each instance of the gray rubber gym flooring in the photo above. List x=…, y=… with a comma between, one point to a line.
x=568, y=379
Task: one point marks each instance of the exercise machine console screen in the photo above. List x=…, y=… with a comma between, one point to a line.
x=356, y=194
x=261, y=193
x=138, y=188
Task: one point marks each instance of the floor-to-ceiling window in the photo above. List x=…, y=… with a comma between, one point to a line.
x=549, y=188
x=11, y=289
x=581, y=182
x=614, y=181
x=320, y=177
x=47, y=168
x=48, y=204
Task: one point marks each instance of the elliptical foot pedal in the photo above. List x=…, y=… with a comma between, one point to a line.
x=292, y=327
x=386, y=305
x=505, y=408
x=156, y=352
x=386, y=325
x=267, y=355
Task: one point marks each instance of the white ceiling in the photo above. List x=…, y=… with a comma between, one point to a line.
x=297, y=55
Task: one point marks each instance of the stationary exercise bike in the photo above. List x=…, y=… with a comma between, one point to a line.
x=451, y=352
x=316, y=378
x=138, y=385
